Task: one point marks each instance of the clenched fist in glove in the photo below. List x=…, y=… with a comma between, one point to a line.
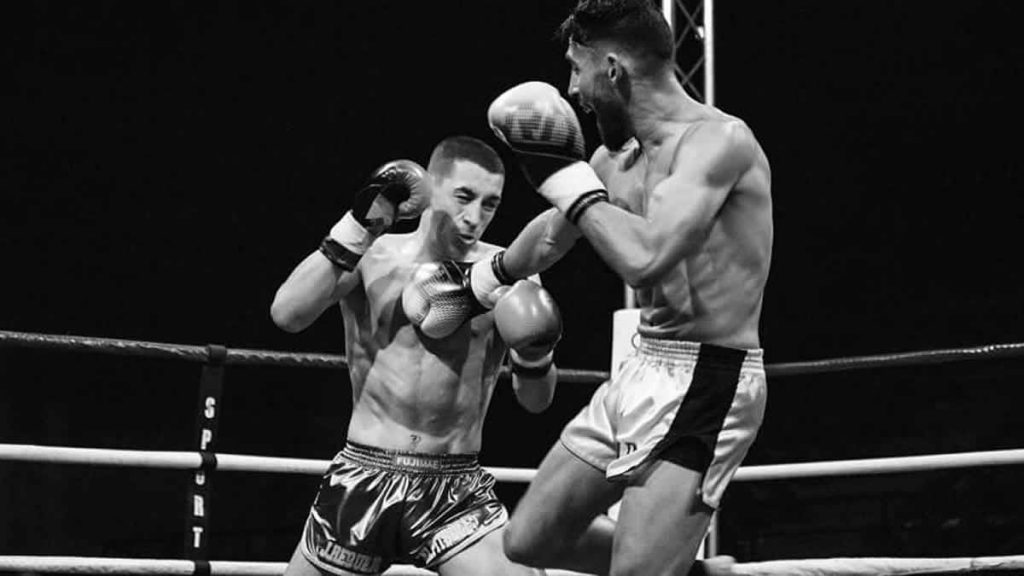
x=398, y=190
x=528, y=320
x=543, y=131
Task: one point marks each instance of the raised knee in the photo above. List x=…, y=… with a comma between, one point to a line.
x=521, y=548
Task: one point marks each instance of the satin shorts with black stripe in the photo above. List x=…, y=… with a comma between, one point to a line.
x=697, y=405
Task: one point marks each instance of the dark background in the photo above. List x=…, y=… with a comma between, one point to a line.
x=166, y=164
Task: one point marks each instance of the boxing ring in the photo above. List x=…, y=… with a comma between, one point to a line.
x=204, y=462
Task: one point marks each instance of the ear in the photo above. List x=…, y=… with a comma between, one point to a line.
x=614, y=70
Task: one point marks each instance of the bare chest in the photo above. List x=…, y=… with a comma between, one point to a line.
x=631, y=179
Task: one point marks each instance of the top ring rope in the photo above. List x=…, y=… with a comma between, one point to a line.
x=235, y=356
x=986, y=352
x=240, y=356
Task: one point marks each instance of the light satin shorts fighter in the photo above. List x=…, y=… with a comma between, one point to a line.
x=378, y=507
x=697, y=405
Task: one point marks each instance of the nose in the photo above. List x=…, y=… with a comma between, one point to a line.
x=471, y=215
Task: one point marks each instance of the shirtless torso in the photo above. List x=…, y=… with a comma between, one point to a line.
x=713, y=294
x=411, y=393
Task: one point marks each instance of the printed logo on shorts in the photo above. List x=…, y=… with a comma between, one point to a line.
x=346, y=559
x=418, y=462
x=454, y=533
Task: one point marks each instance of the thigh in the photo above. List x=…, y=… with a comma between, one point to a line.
x=662, y=521
x=563, y=499
x=299, y=566
x=485, y=557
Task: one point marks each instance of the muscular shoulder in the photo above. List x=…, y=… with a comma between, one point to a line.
x=722, y=146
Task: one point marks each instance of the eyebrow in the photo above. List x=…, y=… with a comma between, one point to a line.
x=469, y=190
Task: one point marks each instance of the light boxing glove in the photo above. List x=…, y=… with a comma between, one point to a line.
x=528, y=320
x=441, y=297
x=398, y=190
x=536, y=123
x=438, y=298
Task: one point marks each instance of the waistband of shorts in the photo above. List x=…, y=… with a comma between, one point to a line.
x=667, y=348
x=410, y=461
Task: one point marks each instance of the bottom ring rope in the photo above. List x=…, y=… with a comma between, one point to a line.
x=812, y=567
x=93, y=565
x=880, y=566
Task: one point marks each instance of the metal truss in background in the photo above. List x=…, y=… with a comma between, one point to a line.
x=693, y=29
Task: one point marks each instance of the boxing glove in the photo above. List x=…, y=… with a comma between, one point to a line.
x=438, y=298
x=398, y=190
x=528, y=320
x=540, y=127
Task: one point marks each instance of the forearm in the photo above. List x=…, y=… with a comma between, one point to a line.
x=631, y=246
x=309, y=290
x=541, y=243
x=535, y=392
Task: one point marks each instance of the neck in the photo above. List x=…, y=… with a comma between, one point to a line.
x=657, y=107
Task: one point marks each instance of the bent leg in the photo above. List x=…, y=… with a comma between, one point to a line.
x=556, y=524
x=662, y=521
x=485, y=557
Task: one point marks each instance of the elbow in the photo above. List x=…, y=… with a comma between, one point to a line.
x=285, y=317
x=642, y=276
x=646, y=271
x=640, y=268
x=551, y=253
x=636, y=278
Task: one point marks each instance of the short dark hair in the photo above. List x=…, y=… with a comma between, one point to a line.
x=467, y=148
x=638, y=25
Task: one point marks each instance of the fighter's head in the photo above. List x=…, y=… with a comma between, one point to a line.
x=468, y=176
x=614, y=46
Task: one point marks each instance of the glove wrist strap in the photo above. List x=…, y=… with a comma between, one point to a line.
x=531, y=368
x=585, y=201
x=488, y=275
x=346, y=243
x=563, y=188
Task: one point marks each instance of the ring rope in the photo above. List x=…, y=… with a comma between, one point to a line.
x=241, y=356
x=878, y=566
x=96, y=565
x=236, y=462
x=924, y=357
x=248, y=463
x=811, y=567
x=235, y=356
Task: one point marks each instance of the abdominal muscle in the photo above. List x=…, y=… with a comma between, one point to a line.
x=713, y=296
x=420, y=397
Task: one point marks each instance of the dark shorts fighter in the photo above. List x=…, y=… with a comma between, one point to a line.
x=378, y=507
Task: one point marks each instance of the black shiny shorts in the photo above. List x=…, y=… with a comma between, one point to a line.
x=378, y=507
